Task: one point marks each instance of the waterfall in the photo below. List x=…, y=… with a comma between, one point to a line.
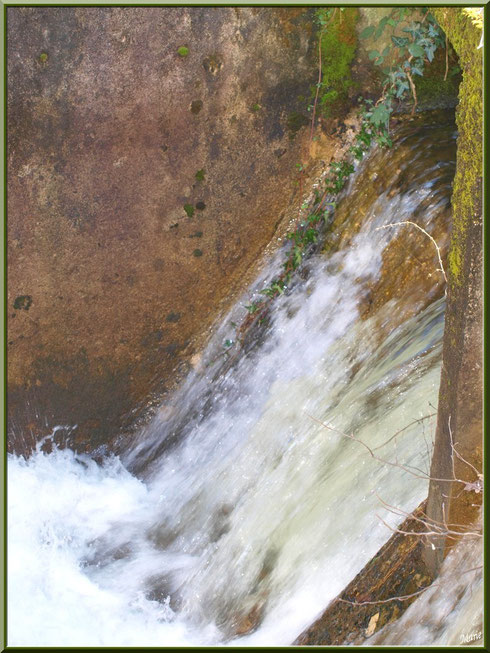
x=247, y=503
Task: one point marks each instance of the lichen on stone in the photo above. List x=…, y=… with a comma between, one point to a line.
x=463, y=30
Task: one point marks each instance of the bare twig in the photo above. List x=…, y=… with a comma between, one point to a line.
x=381, y=460
x=414, y=92
x=403, y=597
x=414, y=224
x=427, y=521
x=453, y=447
x=447, y=60
x=467, y=571
x=415, y=421
x=406, y=468
x=453, y=535
x=317, y=86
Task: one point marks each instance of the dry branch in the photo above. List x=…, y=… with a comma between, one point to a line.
x=414, y=224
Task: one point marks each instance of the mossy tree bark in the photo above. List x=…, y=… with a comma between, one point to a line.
x=459, y=421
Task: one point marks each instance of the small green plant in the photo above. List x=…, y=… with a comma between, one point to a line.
x=183, y=51
x=410, y=49
x=255, y=107
x=197, y=252
x=43, y=57
x=253, y=307
x=200, y=175
x=189, y=209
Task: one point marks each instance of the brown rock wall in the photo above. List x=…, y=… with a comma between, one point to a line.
x=143, y=184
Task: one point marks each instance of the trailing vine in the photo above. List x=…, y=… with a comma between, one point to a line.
x=412, y=45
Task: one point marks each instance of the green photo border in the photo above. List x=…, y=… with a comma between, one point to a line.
x=155, y=3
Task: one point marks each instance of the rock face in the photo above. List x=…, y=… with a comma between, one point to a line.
x=460, y=398
x=151, y=154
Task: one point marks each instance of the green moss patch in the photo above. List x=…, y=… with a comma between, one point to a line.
x=23, y=302
x=183, y=51
x=338, y=46
x=189, y=209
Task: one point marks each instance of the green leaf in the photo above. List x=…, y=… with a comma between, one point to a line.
x=400, y=41
x=373, y=54
x=379, y=31
x=380, y=115
x=416, y=50
x=367, y=32
x=430, y=53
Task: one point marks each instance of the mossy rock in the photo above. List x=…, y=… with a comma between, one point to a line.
x=463, y=28
x=338, y=47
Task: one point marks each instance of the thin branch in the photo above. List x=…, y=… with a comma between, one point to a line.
x=318, y=85
x=447, y=60
x=414, y=92
x=454, y=535
x=433, y=523
x=404, y=597
x=414, y=224
x=415, y=421
x=467, y=571
x=453, y=447
x=405, y=468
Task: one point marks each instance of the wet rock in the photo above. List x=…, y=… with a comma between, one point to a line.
x=250, y=621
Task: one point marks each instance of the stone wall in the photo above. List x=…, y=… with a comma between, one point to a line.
x=151, y=154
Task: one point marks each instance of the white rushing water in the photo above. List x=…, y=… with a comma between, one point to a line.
x=238, y=506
